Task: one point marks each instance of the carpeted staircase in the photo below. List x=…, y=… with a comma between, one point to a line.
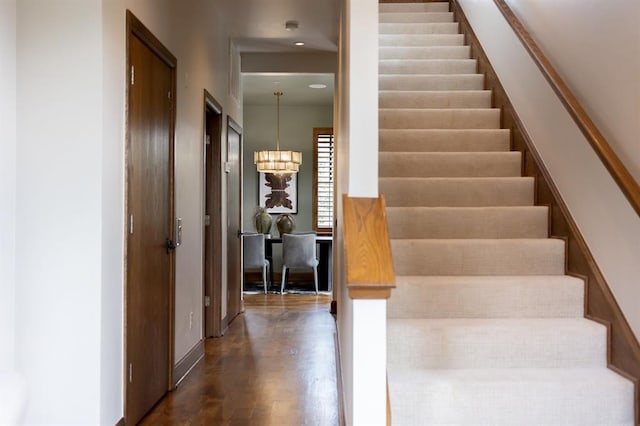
x=484, y=326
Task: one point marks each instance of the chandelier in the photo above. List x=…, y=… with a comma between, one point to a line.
x=277, y=161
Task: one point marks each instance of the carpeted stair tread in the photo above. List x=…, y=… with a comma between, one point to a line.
x=518, y=256
x=501, y=296
x=421, y=40
x=484, y=326
x=428, y=52
x=439, y=118
x=427, y=66
x=457, y=192
x=442, y=6
x=434, y=99
x=496, y=343
x=443, y=140
x=512, y=396
x=449, y=164
x=415, y=17
x=468, y=222
x=421, y=28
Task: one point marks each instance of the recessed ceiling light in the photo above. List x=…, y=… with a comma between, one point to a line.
x=299, y=43
x=318, y=86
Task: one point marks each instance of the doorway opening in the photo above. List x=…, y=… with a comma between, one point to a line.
x=307, y=104
x=212, y=272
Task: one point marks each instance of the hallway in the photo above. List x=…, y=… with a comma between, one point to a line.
x=274, y=366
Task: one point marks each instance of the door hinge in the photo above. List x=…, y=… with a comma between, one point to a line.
x=130, y=373
x=207, y=301
x=169, y=95
x=133, y=75
x=131, y=224
x=207, y=220
x=208, y=140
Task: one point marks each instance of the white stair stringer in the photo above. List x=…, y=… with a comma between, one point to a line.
x=484, y=326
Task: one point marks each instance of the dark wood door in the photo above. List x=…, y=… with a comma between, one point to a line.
x=149, y=280
x=212, y=213
x=234, y=212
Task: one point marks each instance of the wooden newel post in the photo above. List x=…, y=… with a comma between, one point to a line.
x=367, y=251
x=369, y=280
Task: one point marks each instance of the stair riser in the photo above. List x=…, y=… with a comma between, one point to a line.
x=487, y=222
x=405, y=40
x=511, y=402
x=437, y=28
x=542, y=344
x=488, y=297
x=436, y=52
x=443, y=140
x=411, y=164
x=457, y=192
x=439, y=119
x=431, y=82
x=415, y=17
x=414, y=7
x=435, y=99
x=427, y=66
x=479, y=257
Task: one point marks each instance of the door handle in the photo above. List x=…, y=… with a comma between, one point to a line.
x=170, y=246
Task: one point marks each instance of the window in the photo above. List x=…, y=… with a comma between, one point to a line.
x=323, y=180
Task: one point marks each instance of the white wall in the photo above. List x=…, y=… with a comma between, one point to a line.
x=59, y=208
x=63, y=187
x=195, y=33
x=609, y=224
x=7, y=180
x=113, y=99
x=595, y=46
x=363, y=355
x=296, y=133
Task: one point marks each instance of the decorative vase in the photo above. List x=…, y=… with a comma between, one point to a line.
x=285, y=224
x=262, y=221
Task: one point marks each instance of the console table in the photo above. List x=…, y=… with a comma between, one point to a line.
x=325, y=243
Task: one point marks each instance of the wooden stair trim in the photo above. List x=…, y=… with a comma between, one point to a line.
x=367, y=250
x=600, y=303
x=598, y=142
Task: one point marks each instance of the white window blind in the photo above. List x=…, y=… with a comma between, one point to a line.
x=323, y=182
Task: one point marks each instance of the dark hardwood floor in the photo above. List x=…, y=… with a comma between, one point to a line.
x=275, y=366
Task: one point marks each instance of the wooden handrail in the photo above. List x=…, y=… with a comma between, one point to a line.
x=611, y=161
x=367, y=251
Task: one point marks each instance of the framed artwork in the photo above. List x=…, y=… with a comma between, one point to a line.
x=278, y=192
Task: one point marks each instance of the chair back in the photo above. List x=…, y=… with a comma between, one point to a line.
x=253, y=250
x=299, y=250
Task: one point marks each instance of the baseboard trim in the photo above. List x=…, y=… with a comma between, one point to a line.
x=120, y=422
x=341, y=414
x=600, y=303
x=186, y=364
x=224, y=326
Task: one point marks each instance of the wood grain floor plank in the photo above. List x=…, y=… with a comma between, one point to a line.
x=275, y=366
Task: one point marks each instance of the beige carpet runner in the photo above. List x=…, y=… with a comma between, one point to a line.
x=484, y=327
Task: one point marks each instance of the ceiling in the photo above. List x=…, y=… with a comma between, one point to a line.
x=259, y=26
x=258, y=89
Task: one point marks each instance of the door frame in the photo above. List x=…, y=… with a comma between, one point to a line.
x=233, y=125
x=212, y=324
x=135, y=28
